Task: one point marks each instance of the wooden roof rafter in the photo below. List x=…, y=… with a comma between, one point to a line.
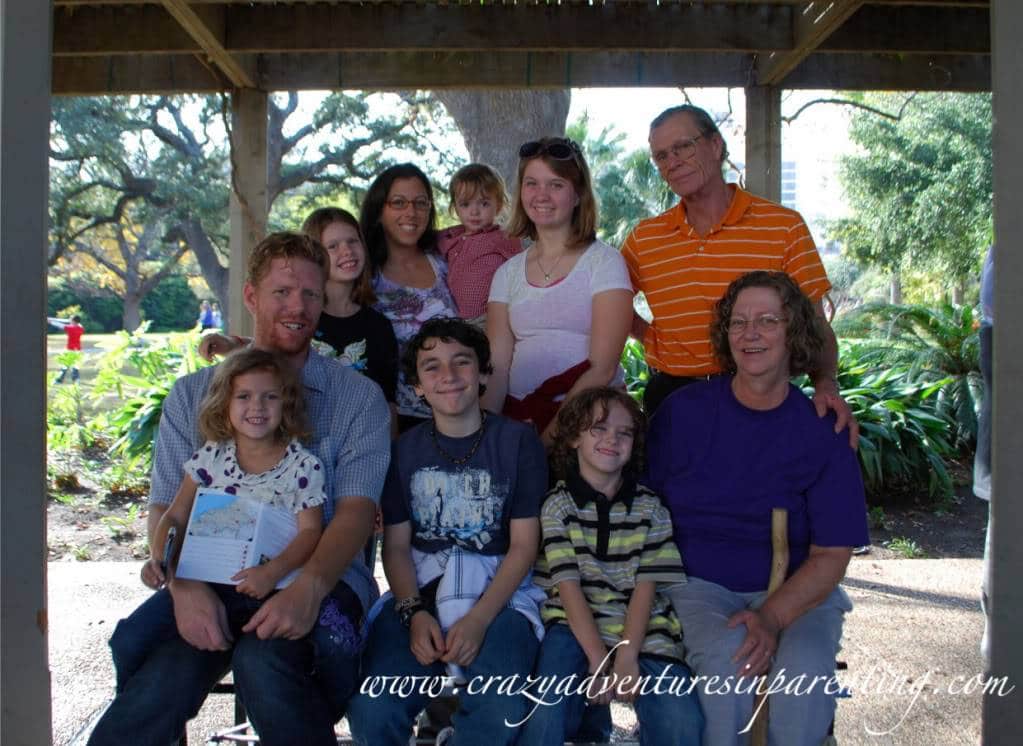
x=197, y=28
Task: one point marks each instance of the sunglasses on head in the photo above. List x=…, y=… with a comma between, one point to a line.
x=559, y=148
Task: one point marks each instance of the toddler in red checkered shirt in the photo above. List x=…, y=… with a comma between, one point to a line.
x=476, y=248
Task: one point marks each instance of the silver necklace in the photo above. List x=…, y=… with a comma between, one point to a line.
x=546, y=274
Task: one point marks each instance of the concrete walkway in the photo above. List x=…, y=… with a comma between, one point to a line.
x=911, y=645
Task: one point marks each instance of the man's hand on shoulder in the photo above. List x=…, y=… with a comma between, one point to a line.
x=200, y=616
x=825, y=398
x=290, y=613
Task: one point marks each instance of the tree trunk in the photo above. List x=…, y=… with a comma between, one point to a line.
x=958, y=293
x=494, y=123
x=896, y=288
x=131, y=317
x=213, y=271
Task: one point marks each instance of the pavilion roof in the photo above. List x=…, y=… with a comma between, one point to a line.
x=135, y=46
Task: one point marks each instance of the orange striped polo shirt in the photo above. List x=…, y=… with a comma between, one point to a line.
x=683, y=275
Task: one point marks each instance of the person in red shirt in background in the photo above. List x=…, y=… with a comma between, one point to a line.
x=74, y=331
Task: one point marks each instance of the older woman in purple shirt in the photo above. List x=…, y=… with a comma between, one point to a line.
x=723, y=454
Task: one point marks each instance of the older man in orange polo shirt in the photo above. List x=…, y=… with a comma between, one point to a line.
x=683, y=259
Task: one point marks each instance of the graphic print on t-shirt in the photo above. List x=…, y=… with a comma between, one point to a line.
x=463, y=507
x=353, y=356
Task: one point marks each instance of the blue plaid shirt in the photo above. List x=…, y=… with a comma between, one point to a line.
x=351, y=437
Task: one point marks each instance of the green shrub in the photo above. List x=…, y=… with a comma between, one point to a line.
x=905, y=436
x=171, y=305
x=637, y=373
x=141, y=372
x=932, y=343
x=101, y=310
x=908, y=548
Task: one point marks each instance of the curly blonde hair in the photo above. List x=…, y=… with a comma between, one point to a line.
x=214, y=420
x=586, y=409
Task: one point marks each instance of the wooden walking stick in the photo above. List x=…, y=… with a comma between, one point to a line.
x=779, y=566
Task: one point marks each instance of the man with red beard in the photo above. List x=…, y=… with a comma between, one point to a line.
x=296, y=663
x=683, y=259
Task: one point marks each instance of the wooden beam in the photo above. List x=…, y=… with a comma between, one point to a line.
x=913, y=30
x=128, y=30
x=872, y=72
x=428, y=27
x=814, y=23
x=84, y=76
x=209, y=41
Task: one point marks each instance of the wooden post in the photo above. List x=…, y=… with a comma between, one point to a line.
x=763, y=141
x=249, y=205
x=1003, y=712
x=25, y=37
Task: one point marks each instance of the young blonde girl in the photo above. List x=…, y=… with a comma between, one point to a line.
x=252, y=419
x=478, y=246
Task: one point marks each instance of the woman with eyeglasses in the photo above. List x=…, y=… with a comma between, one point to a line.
x=559, y=312
x=723, y=453
x=398, y=221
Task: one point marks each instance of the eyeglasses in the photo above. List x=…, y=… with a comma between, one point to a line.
x=558, y=148
x=683, y=150
x=420, y=204
x=767, y=322
x=599, y=431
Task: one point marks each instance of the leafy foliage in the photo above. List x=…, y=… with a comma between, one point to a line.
x=99, y=308
x=906, y=176
x=136, y=181
x=171, y=305
x=905, y=436
x=141, y=374
x=637, y=372
x=627, y=185
x=932, y=343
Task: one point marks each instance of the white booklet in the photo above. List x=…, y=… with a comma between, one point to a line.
x=227, y=533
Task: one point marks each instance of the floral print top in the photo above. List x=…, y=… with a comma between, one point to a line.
x=293, y=484
x=407, y=308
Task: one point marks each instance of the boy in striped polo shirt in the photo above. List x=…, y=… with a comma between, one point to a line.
x=607, y=553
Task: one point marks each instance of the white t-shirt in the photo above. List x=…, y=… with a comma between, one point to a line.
x=551, y=324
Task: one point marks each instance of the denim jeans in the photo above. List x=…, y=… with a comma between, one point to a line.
x=509, y=647
x=663, y=718
x=294, y=690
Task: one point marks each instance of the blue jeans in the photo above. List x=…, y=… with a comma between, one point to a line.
x=294, y=690
x=508, y=649
x=664, y=718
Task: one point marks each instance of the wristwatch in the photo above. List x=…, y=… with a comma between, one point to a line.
x=407, y=608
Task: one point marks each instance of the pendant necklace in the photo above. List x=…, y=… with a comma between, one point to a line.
x=546, y=274
x=472, y=451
